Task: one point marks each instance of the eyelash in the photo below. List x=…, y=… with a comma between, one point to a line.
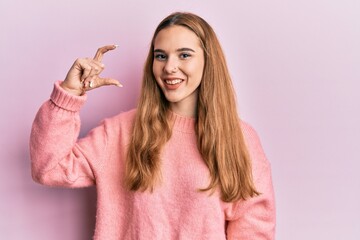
x=185, y=55
x=162, y=57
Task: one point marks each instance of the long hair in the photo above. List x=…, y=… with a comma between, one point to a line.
x=219, y=136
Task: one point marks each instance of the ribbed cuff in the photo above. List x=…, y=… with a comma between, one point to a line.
x=65, y=100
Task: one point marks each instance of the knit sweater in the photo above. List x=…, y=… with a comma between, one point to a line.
x=176, y=209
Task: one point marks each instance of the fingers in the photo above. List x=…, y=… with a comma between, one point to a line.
x=91, y=79
x=111, y=81
x=84, y=74
x=100, y=52
x=96, y=81
x=95, y=67
x=91, y=68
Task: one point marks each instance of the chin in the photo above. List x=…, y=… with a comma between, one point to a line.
x=172, y=99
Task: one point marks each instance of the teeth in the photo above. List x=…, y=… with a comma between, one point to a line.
x=173, y=82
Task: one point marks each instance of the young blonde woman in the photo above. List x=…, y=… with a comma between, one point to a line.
x=181, y=165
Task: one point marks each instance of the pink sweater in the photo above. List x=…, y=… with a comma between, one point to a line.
x=176, y=209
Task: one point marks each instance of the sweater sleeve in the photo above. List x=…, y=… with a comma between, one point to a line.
x=255, y=217
x=58, y=158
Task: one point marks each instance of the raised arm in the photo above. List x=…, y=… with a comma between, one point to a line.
x=58, y=158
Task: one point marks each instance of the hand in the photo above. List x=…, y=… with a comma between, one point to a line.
x=84, y=74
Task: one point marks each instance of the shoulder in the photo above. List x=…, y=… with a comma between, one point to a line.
x=128, y=116
x=253, y=143
x=250, y=135
x=123, y=120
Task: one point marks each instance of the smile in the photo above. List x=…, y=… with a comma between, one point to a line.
x=173, y=81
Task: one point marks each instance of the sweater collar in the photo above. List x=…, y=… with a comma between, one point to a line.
x=183, y=124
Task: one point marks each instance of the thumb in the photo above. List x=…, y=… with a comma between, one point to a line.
x=110, y=81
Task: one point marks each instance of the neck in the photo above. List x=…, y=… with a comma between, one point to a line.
x=183, y=111
x=185, y=108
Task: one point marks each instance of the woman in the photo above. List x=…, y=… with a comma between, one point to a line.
x=180, y=166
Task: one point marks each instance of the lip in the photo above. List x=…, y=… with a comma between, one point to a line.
x=172, y=78
x=174, y=85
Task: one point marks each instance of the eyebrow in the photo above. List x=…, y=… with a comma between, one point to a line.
x=178, y=50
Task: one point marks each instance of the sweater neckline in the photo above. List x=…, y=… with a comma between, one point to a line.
x=182, y=123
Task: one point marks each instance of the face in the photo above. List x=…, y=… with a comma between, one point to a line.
x=178, y=67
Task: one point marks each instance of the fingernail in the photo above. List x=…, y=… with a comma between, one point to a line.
x=115, y=45
x=119, y=85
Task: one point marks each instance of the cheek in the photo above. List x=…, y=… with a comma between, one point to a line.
x=157, y=73
x=154, y=69
x=191, y=68
x=157, y=69
x=198, y=65
x=197, y=69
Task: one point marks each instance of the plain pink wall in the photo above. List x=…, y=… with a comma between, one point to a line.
x=296, y=69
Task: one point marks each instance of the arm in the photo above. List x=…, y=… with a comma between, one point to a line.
x=57, y=158
x=255, y=217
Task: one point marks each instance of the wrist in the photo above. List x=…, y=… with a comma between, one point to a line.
x=66, y=100
x=71, y=91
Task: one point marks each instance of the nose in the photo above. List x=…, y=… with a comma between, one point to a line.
x=171, y=65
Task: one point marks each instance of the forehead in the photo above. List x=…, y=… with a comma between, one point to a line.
x=176, y=37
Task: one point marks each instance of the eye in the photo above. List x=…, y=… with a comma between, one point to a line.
x=160, y=56
x=185, y=55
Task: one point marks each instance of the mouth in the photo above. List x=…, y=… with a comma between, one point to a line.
x=173, y=81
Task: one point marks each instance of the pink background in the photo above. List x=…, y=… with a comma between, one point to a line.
x=296, y=69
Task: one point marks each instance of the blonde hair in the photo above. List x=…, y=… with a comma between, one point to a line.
x=219, y=136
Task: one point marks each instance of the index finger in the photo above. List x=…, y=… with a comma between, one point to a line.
x=100, y=52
